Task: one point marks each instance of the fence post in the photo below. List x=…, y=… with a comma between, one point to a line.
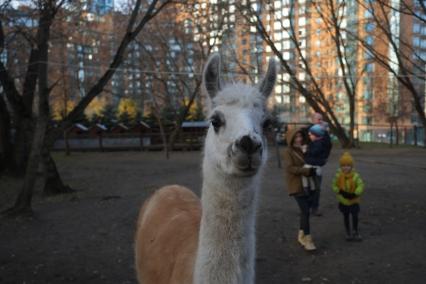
x=405, y=135
x=140, y=142
x=101, y=145
x=415, y=134
x=67, y=145
x=277, y=149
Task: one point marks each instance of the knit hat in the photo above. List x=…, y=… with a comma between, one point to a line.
x=346, y=160
x=317, y=130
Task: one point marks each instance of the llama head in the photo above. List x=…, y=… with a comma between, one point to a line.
x=235, y=142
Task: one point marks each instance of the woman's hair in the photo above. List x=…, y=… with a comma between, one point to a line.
x=304, y=137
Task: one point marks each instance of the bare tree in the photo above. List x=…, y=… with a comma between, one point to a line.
x=176, y=50
x=48, y=10
x=331, y=13
x=37, y=72
x=312, y=90
x=21, y=100
x=401, y=59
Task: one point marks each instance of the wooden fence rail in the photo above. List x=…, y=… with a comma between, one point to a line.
x=127, y=141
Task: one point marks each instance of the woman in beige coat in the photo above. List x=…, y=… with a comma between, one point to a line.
x=294, y=171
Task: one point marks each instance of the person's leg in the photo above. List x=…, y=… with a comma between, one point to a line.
x=305, y=237
x=316, y=197
x=303, y=204
x=355, y=211
x=345, y=211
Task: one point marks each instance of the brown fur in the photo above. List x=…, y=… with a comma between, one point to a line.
x=167, y=236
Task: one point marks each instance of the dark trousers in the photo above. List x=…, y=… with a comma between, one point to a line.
x=350, y=210
x=305, y=203
x=316, y=194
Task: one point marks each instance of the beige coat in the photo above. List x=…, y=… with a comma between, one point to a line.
x=293, y=158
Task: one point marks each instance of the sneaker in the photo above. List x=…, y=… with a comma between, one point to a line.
x=357, y=237
x=309, y=244
x=349, y=237
x=301, y=238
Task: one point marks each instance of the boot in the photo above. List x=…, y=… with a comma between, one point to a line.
x=309, y=244
x=301, y=238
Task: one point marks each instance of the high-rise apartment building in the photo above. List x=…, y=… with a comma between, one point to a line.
x=303, y=32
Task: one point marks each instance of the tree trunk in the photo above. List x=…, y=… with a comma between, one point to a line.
x=163, y=137
x=181, y=118
x=424, y=137
x=23, y=202
x=22, y=145
x=351, y=123
x=343, y=138
x=53, y=184
x=5, y=145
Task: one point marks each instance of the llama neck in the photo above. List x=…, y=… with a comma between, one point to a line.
x=226, y=251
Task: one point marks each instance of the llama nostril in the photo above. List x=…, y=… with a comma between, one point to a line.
x=247, y=145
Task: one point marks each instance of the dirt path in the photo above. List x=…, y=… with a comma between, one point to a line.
x=87, y=237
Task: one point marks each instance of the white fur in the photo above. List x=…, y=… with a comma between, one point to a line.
x=226, y=250
x=234, y=154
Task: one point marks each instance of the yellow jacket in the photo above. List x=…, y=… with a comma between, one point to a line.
x=348, y=184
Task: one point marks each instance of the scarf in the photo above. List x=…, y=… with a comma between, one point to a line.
x=346, y=179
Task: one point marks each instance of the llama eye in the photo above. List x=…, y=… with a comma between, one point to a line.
x=267, y=123
x=216, y=122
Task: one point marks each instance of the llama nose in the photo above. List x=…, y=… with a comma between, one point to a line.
x=248, y=145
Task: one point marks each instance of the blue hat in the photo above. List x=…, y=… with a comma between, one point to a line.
x=317, y=130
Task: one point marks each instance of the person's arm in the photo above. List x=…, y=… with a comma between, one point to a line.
x=359, y=185
x=292, y=168
x=334, y=186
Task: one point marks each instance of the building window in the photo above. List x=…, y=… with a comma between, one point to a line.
x=286, y=23
x=286, y=99
x=286, y=12
x=286, y=55
x=416, y=28
x=369, y=67
x=286, y=88
x=286, y=44
x=369, y=40
x=369, y=27
x=416, y=41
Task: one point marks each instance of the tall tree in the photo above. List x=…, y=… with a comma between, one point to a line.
x=402, y=60
x=310, y=87
x=48, y=10
x=36, y=134
x=177, y=50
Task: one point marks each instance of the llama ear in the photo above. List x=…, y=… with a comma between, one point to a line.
x=211, y=80
x=267, y=84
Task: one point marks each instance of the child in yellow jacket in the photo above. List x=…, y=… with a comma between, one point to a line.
x=348, y=186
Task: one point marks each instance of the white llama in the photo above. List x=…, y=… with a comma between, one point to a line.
x=179, y=240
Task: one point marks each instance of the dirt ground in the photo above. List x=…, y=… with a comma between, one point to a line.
x=87, y=237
